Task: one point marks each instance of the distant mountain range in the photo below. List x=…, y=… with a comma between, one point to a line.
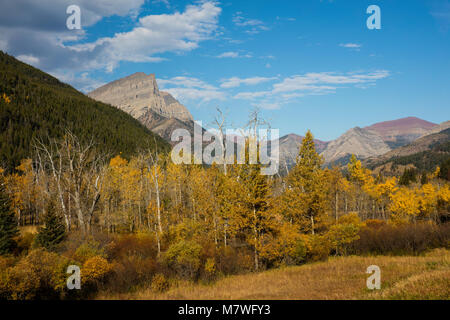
x=377, y=140
x=397, y=133
x=138, y=95
x=423, y=154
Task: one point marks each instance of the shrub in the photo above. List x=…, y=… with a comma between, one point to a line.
x=184, y=258
x=25, y=242
x=410, y=239
x=300, y=252
x=88, y=250
x=281, y=249
x=210, y=268
x=159, y=283
x=344, y=232
x=317, y=247
x=95, y=269
x=374, y=223
x=142, y=245
x=39, y=275
x=94, y=274
x=135, y=261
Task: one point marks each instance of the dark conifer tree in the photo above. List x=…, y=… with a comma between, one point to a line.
x=54, y=231
x=8, y=224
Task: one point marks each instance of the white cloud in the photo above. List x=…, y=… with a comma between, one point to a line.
x=236, y=82
x=191, y=89
x=308, y=84
x=252, y=26
x=34, y=61
x=187, y=82
x=326, y=81
x=350, y=45
x=229, y=54
x=233, y=54
x=81, y=81
x=195, y=95
x=40, y=31
x=441, y=12
x=156, y=34
x=267, y=105
x=50, y=15
x=252, y=95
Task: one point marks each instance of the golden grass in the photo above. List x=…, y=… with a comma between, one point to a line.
x=424, y=277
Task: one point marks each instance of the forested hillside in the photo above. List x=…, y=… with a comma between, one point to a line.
x=34, y=104
x=424, y=154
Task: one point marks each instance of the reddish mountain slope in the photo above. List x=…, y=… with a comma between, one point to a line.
x=401, y=131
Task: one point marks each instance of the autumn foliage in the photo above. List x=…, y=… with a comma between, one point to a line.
x=147, y=222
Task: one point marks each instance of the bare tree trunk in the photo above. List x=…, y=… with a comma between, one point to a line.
x=336, y=206
x=255, y=230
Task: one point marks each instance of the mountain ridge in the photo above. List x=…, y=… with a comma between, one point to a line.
x=138, y=95
x=41, y=106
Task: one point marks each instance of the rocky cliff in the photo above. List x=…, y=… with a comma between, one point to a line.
x=137, y=94
x=360, y=142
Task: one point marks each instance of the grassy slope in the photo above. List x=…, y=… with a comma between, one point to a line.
x=425, y=277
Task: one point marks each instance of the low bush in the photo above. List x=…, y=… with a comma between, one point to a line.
x=159, y=283
x=39, y=275
x=183, y=257
x=411, y=239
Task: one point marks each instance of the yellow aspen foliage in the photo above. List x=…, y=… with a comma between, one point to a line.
x=21, y=187
x=95, y=269
x=345, y=231
x=284, y=248
x=427, y=199
x=306, y=196
x=388, y=187
x=443, y=194
x=38, y=273
x=318, y=246
x=358, y=172
x=6, y=98
x=404, y=205
x=436, y=173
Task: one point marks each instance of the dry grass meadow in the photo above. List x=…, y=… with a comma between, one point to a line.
x=342, y=278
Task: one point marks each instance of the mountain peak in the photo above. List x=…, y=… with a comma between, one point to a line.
x=138, y=93
x=358, y=141
x=402, y=131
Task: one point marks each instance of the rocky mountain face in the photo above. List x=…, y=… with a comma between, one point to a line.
x=139, y=95
x=289, y=146
x=370, y=142
x=438, y=128
x=400, y=132
x=423, y=153
x=361, y=142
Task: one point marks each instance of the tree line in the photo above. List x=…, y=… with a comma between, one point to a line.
x=236, y=207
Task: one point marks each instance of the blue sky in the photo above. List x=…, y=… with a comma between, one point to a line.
x=307, y=64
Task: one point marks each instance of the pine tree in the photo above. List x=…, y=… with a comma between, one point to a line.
x=54, y=231
x=8, y=224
